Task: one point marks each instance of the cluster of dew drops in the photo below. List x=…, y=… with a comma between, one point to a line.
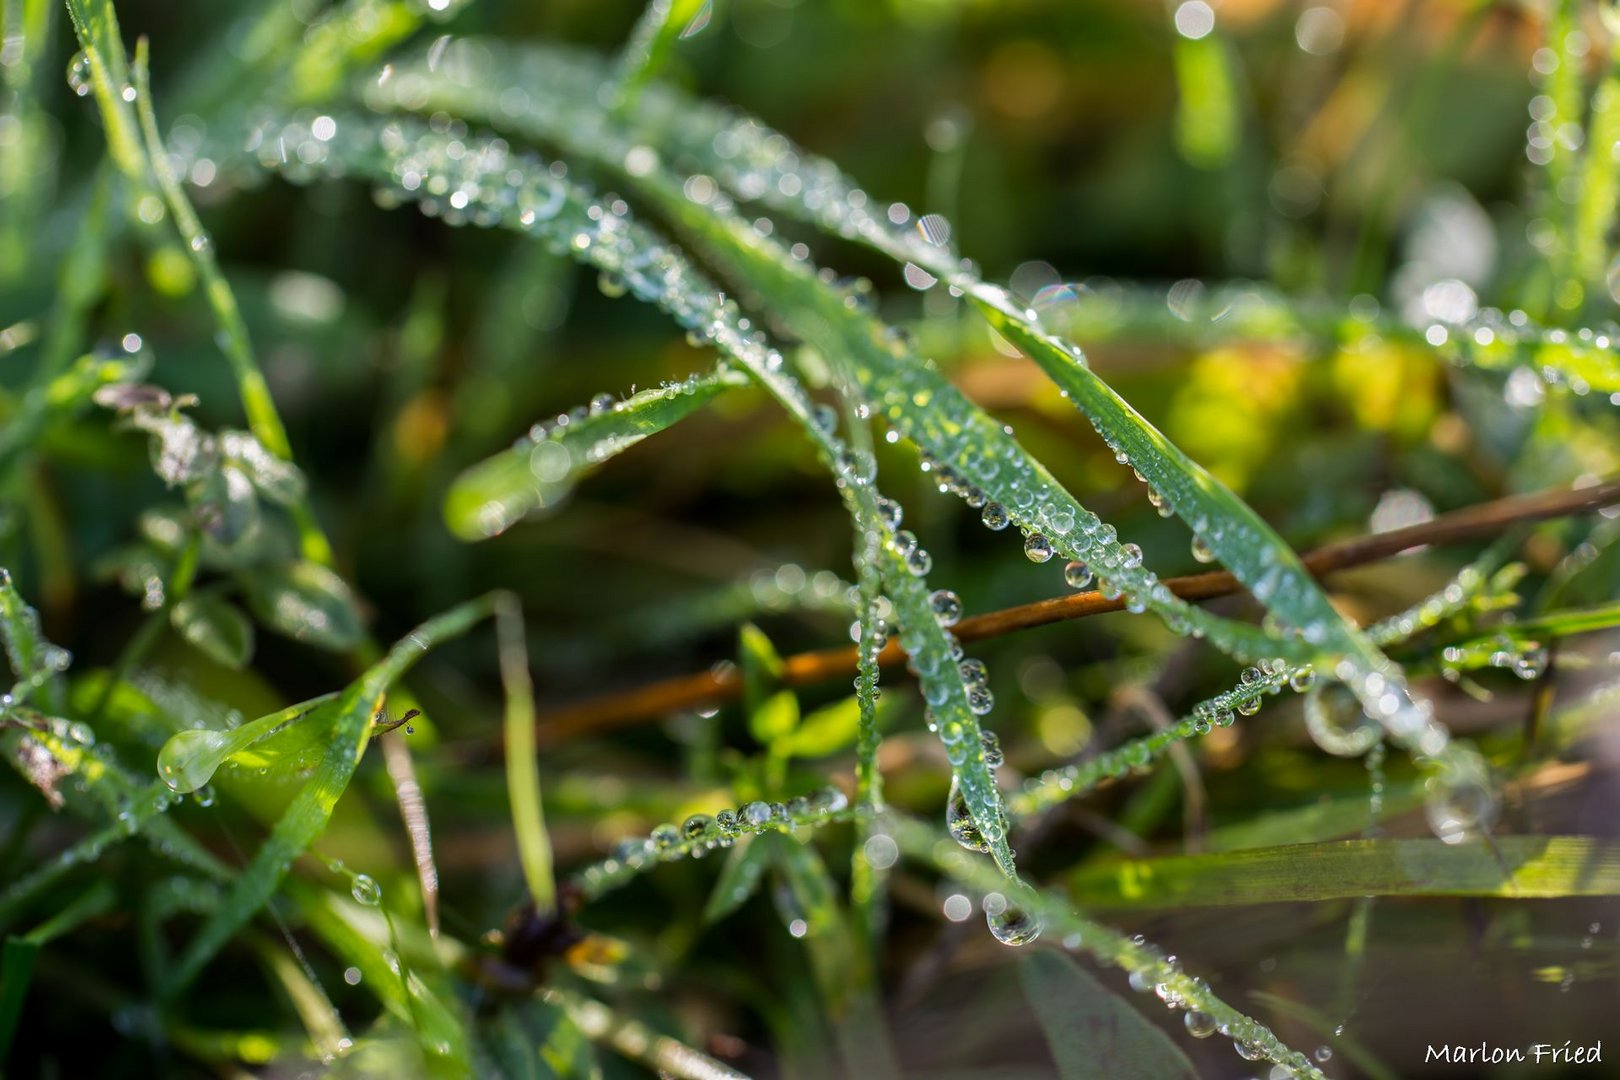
x=700, y=834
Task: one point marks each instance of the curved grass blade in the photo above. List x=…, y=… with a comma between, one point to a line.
x=520, y=194
x=978, y=454
x=542, y=467
x=1530, y=867
x=307, y=816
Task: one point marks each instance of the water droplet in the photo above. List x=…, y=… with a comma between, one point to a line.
x=665, y=837
x=1133, y=556
x=995, y=517
x=190, y=759
x=756, y=813
x=1078, y=575
x=947, y=607
x=697, y=826
x=1302, y=680
x=1531, y=663
x=78, y=74
x=959, y=821
x=1337, y=723
x=1200, y=1025
x=1323, y=1055
x=1037, y=548
x=365, y=890
x=1010, y=924
x=1201, y=550
x=991, y=742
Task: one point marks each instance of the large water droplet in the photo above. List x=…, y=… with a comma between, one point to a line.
x=1010, y=924
x=959, y=821
x=78, y=74
x=190, y=759
x=365, y=890
x=1077, y=575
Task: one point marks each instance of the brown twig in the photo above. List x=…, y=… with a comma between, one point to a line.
x=708, y=688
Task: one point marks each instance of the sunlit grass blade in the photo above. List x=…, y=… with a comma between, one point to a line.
x=604, y=236
x=310, y=810
x=522, y=762
x=1531, y=867
x=544, y=465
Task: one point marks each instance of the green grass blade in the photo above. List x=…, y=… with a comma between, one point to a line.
x=1532, y=867
x=908, y=392
x=1091, y=1031
x=522, y=760
x=544, y=465
x=17, y=960
x=653, y=40
x=310, y=810
x=1105, y=945
x=568, y=220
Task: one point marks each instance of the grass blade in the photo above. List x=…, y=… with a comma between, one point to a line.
x=522, y=761
x=1530, y=867
x=544, y=465
x=307, y=816
x=1092, y=1032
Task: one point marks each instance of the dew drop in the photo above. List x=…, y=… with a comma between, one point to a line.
x=1200, y=1025
x=1201, y=550
x=995, y=517
x=947, y=607
x=959, y=821
x=1037, y=548
x=1078, y=575
x=1010, y=924
x=365, y=890
x=78, y=74
x=190, y=759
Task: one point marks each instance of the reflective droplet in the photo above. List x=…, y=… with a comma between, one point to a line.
x=1037, y=548
x=1077, y=575
x=947, y=607
x=1012, y=925
x=1201, y=550
x=365, y=890
x=190, y=759
x=995, y=517
x=78, y=74
x=959, y=821
x=1200, y=1025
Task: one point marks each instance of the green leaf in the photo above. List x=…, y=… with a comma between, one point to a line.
x=775, y=719
x=306, y=602
x=739, y=878
x=1530, y=867
x=828, y=730
x=544, y=466
x=773, y=713
x=1093, y=1033
x=311, y=808
x=215, y=626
